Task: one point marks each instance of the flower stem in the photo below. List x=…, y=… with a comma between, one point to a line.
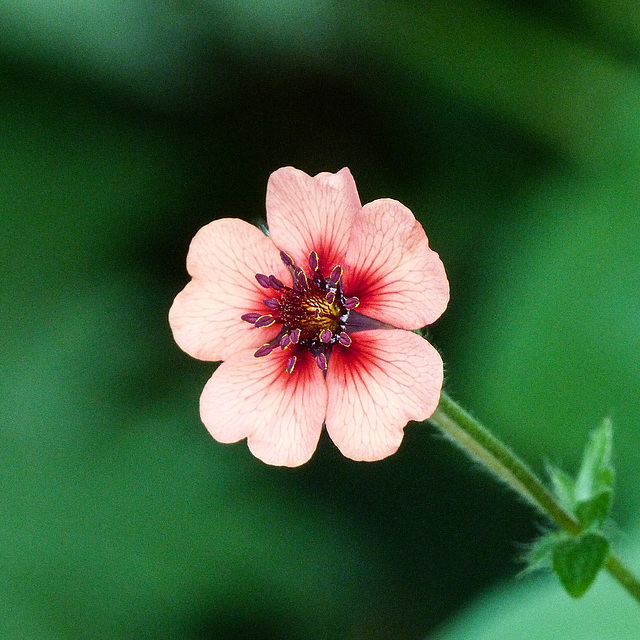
x=619, y=571
x=471, y=436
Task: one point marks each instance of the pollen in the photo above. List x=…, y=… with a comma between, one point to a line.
x=313, y=312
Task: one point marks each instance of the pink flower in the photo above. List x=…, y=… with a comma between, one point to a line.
x=313, y=322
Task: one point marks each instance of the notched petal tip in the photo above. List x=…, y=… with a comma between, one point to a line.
x=206, y=317
x=281, y=415
x=386, y=379
x=397, y=277
x=311, y=214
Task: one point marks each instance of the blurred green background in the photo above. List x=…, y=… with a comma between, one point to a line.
x=510, y=128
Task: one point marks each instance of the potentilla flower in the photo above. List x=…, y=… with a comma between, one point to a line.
x=314, y=321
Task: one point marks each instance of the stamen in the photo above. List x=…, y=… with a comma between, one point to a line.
x=336, y=274
x=313, y=311
x=287, y=259
x=344, y=339
x=301, y=280
x=263, y=351
x=321, y=361
x=264, y=321
x=263, y=280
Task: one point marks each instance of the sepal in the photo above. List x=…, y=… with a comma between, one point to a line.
x=576, y=559
x=594, y=484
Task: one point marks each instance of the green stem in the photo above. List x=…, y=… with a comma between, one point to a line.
x=619, y=571
x=481, y=444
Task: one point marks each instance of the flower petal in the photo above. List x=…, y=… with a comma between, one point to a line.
x=223, y=259
x=391, y=269
x=312, y=214
x=280, y=413
x=379, y=383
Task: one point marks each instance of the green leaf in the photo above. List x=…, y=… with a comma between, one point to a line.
x=540, y=553
x=594, y=485
x=596, y=472
x=595, y=510
x=577, y=560
x=563, y=487
x=538, y=610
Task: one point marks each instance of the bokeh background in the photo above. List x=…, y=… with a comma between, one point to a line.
x=512, y=130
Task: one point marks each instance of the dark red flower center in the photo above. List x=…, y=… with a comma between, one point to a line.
x=313, y=312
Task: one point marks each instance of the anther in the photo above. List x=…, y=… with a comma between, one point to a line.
x=321, y=361
x=263, y=280
x=313, y=261
x=287, y=259
x=294, y=336
x=250, y=317
x=275, y=283
x=325, y=335
x=336, y=274
x=351, y=303
x=301, y=280
x=285, y=341
x=291, y=362
x=263, y=351
x=344, y=339
x=271, y=303
x=331, y=296
x=264, y=321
